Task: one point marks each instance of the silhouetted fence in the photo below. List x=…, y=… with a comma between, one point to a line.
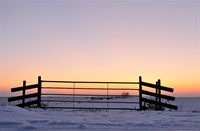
x=25, y=96
x=157, y=101
x=106, y=98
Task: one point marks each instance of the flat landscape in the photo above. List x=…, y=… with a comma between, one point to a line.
x=186, y=118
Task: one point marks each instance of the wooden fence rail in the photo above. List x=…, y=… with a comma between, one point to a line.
x=142, y=101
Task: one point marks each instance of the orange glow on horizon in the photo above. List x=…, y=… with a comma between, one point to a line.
x=179, y=90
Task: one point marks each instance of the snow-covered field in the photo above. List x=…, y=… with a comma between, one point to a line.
x=186, y=118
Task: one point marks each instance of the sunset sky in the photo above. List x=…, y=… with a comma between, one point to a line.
x=101, y=40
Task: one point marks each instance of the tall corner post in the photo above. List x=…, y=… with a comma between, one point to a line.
x=140, y=92
x=39, y=91
x=23, y=93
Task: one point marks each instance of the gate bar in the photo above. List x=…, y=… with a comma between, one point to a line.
x=91, y=82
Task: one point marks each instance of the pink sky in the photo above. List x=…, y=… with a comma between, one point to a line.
x=101, y=40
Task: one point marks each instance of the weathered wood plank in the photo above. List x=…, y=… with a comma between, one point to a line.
x=26, y=88
x=15, y=98
x=161, y=96
x=28, y=103
x=162, y=104
x=160, y=87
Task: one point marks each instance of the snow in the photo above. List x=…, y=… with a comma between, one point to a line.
x=187, y=118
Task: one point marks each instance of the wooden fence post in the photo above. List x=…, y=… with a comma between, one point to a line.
x=159, y=93
x=23, y=93
x=140, y=92
x=39, y=91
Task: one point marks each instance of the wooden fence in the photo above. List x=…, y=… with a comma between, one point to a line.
x=25, y=96
x=157, y=101
x=142, y=100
